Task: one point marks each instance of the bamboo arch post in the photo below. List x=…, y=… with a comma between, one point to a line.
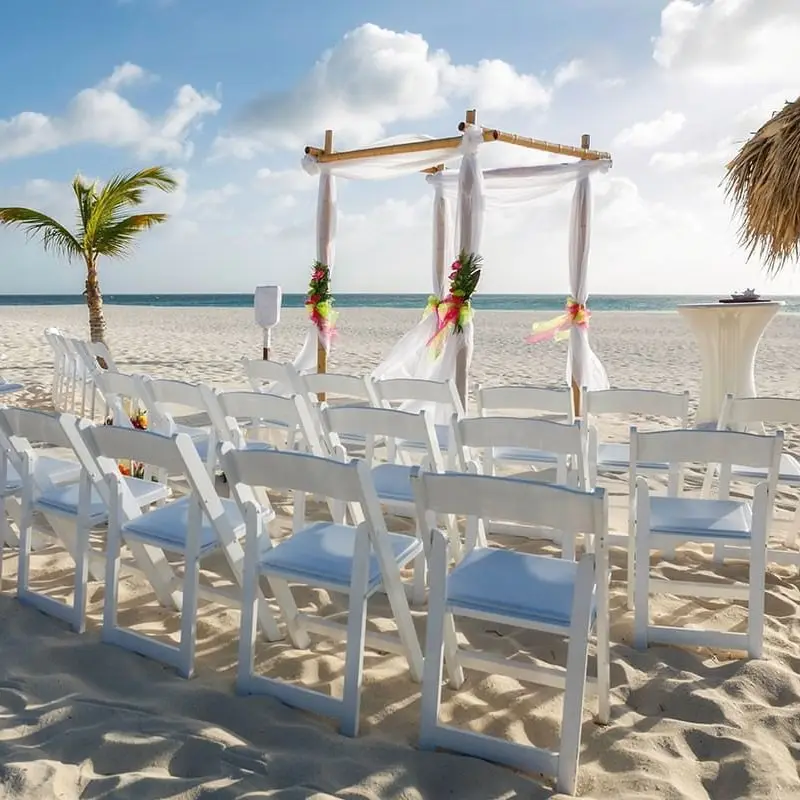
x=576, y=390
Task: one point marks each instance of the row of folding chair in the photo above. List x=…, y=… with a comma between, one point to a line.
x=75, y=370
x=354, y=554
x=486, y=582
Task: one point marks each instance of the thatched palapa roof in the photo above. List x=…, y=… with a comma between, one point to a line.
x=764, y=182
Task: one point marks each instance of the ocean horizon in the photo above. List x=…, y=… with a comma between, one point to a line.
x=487, y=302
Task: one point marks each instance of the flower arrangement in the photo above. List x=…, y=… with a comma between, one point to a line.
x=456, y=309
x=133, y=469
x=319, y=302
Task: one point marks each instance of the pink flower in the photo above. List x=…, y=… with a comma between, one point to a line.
x=455, y=266
x=318, y=274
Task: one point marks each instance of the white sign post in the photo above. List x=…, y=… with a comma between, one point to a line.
x=267, y=305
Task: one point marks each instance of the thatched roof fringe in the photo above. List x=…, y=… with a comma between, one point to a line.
x=763, y=181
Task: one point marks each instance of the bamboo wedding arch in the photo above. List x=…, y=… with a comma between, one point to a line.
x=431, y=151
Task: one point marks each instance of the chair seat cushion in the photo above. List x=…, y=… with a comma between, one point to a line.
x=617, y=456
x=46, y=469
x=323, y=553
x=64, y=499
x=789, y=471
x=522, y=586
x=166, y=527
x=709, y=519
x=524, y=455
x=442, y=437
x=393, y=482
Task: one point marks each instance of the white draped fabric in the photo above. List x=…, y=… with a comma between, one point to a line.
x=583, y=365
x=505, y=188
x=365, y=168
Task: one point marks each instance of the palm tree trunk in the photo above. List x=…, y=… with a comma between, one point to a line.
x=94, y=302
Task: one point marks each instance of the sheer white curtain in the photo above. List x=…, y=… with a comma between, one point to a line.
x=501, y=188
x=412, y=357
x=583, y=365
x=366, y=168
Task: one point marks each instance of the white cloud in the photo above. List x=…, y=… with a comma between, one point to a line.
x=285, y=180
x=730, y=42
x=125, y=75
x=709, y=161
x=100, y=115
x=568, y=73
x=372, y=79
x=653, y=133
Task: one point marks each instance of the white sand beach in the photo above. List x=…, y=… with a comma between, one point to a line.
x=79, y=719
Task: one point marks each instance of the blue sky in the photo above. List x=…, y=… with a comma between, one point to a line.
x=227, y=93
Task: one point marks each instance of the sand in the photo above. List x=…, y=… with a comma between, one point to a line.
x=82, y=719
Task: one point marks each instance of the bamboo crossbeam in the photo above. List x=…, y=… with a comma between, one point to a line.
x=547, y=147
x=493, y=135
x=384, y=150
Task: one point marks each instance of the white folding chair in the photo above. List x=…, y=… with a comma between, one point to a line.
x=391, y=478
x=336, y=389
x=357, y=560
x=269, y=376
x=551, y=404
x=60, y=367
x=561, y=597
x=671, y=409
x=240, y=417
x=750, y=414
x=162, y=398
x=71, y=510
x=122, y=395
x=662, y=522
x=194, y=526
x=479, y=438
x=439, y=399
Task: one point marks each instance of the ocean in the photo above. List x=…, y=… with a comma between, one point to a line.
x=498, y=302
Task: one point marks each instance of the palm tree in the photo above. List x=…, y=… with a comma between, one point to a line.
x=763, y=181
x=105, y=228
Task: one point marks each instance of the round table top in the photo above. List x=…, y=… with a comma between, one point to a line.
x=8, y=388
x=717, y=304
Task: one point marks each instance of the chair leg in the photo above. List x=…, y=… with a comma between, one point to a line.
x=575, y=680
x=434, y=645
x=631, y=566
x=113, y=546
x=283, y=594
x=81, y=574
x=602, y=623
x=356, y=633
x=755, y=611
x=641, y=591
x=188, y=642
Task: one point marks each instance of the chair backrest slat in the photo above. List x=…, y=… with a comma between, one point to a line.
x=511, y=500
x=405, y=390
x=289, y=470
x=657, y=403
x=749, y=411
x=524, y=398
x=705, y=447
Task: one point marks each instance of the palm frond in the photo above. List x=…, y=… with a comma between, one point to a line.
x=763, y=181
x=116, y=239
x=86, y=195
x=125, y=191
x=55, y=237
